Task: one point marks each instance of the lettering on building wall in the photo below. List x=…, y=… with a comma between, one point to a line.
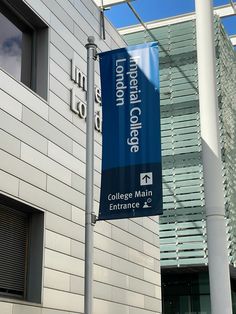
x=78, y=106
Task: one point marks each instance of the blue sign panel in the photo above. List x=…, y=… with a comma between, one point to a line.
x=131, y=158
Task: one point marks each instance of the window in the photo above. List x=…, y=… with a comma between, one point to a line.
x=24, y=45
x=185, y=290
x=10, y=47
x=21, y=247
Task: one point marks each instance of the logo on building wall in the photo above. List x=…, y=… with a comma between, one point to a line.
x=78, y=106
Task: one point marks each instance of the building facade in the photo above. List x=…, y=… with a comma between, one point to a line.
x=183, y=237
x=42, y=172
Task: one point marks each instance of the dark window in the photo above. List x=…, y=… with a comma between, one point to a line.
x=185, y=292
x=21, y=250
x=14, y=231
x=24, y=45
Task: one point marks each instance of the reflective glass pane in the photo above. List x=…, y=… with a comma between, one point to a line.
x=10, y=47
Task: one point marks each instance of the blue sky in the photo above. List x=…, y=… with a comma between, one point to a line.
x=121, y=15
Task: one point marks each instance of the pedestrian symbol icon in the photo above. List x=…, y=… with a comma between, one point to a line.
x=147, y=203
x=146, y=178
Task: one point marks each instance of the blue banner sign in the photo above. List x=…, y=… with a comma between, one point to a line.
x=131, y=183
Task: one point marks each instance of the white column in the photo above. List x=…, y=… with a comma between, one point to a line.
x=218, y=261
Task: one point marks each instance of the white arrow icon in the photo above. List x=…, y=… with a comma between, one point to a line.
x=146, y=178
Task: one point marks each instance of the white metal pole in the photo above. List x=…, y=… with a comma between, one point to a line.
x=218, y=261
x=89, y=215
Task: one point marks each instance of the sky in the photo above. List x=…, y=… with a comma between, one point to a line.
x=149, y=10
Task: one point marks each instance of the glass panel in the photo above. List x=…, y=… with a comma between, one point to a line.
x=10, y=47
x=186, y=293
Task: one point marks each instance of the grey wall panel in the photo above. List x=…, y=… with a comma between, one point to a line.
x=151, y=224
x=133, y=310
x=141, y=259
x=68, y=128
x=125, y=266
x=124, y=296
x=77, y=284
x=45, y=164
x=104, y=228
x=65, y=192
x=64, y=227
x=59, y=89
x=111, y=246
x=78, y=215
x=110, y=31
x=118, y=295
x=22, y=132
x=152, y=304
x=61, y=44
x=142, y=287
x=54, y=7
x=109, y=276
x=88, y=8
x=23, y=94
x=56, y=280
x=96, y=193
x=57, y=56
x=127, y=238
x=9, y=183
x=39, y=8
x=63, y=300
x=63, y=262
x=121, y=223
x=102, y=291
x=9, y=143
x=22, y=170
x=60, y=106
x=61, y=75
x=57, y=242
x=98, y=150
x=79, y=151
x=24, y=309
x=138, y=231
x=10, y=105
x=102, y=258
x=151, y=250
x=77, y=249
x=57, y=25
x=151, y=276
x=78, y=122
x=97, y=179
x=78, y=183
x=6, y=307
x=80, y=34
x=44, y=200
x=93, y=28
x=52, y=311
x=66, y=159
x=106, y=307
x=47, y=130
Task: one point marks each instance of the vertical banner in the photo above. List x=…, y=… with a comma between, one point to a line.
x=131, y=183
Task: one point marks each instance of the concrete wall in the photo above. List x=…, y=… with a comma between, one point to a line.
x=42, y=163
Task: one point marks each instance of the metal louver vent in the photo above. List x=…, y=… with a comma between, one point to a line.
x=13, y=250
